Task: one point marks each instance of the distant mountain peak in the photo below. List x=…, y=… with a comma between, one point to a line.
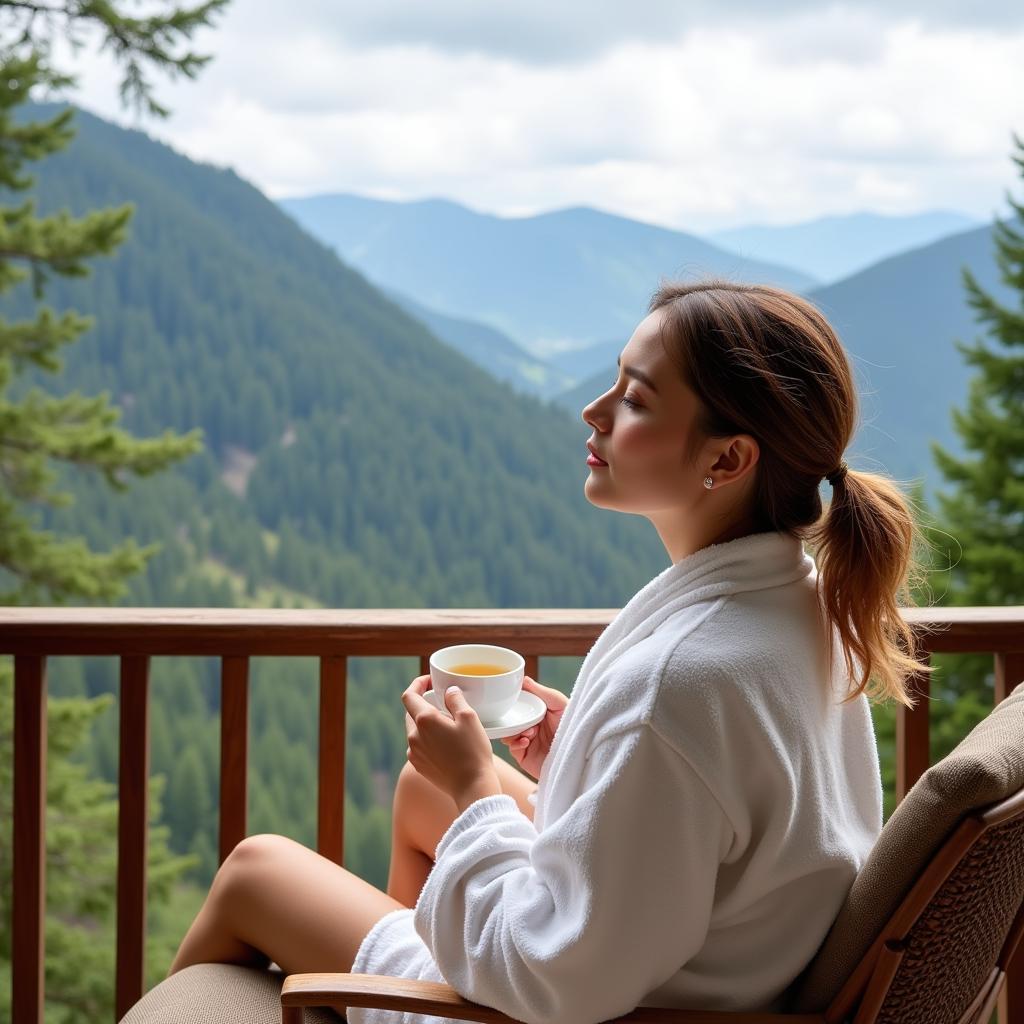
x=838, y=245
x=564, y=278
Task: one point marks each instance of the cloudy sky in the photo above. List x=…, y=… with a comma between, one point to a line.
x=697, y=115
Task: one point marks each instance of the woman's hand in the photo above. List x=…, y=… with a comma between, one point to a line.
x=454, y=752
x=530, y=748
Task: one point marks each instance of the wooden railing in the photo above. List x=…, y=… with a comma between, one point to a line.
x=136, y=635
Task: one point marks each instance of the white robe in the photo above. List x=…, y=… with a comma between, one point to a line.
x=702, y=813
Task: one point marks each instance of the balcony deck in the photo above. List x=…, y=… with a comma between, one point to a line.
x=135, y=635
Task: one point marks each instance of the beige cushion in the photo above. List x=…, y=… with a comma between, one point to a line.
x=219, y=994
x=985, y=767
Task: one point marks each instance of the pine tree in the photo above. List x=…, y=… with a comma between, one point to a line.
x=985, y=514
x=80, y=431
x=976, y=535
x=73, y=429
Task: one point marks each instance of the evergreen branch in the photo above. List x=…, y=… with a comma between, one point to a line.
x=65, y=568
x=79, y=430
x=36, y=8
x=33, y=7
x=134, y=40
x=58, y=243
x=37, y=139
x=35, y=341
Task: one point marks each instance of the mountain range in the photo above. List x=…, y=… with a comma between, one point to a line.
x=551, y=282
x=899, y=318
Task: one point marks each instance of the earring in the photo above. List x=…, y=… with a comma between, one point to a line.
x=708, y=482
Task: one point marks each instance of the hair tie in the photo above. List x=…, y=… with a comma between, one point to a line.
x=837, y=474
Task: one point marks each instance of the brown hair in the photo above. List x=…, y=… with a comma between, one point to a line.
x=765, y=362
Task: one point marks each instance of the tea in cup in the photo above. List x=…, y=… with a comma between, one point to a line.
x=490, y=677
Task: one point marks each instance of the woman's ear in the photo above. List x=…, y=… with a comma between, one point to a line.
x=736, y=459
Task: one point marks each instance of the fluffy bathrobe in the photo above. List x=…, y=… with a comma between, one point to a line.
x=704, y=808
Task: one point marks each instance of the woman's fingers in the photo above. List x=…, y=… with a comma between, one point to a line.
x=552, y=698
x=529, y=683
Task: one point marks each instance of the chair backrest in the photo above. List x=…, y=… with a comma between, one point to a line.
x=944, y=951
x=941, y=889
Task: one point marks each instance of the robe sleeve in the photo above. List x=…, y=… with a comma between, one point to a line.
x=580, y=922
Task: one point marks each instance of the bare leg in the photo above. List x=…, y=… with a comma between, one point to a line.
x=421, y=814
x=274, y=899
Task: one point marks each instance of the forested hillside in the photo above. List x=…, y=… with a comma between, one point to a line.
x=352, y=460
x=499, y=355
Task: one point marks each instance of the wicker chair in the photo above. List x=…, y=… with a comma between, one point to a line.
x=925, y=934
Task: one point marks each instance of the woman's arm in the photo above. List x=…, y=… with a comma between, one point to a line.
x=580, y=922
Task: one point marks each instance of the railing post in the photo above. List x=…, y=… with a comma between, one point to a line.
x=330, y=839
x=1009, y=673
x=28, y=950
x=913, y=754
x=234, y=747
x=132, y=833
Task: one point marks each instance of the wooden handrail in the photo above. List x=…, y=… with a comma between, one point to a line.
x=32, y=634
x=363, y=632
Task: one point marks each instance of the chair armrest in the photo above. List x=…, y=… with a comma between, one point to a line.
x=387, y=993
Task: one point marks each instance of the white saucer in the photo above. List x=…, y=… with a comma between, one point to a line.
x=528, y=710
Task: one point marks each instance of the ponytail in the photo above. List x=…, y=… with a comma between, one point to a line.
x=865, y=547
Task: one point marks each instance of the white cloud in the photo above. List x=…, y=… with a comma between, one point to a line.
x=701, y=126
x=541, y=32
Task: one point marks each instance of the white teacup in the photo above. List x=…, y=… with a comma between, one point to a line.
x=489, y=695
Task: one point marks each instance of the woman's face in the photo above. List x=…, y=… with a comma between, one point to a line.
x=643, y=431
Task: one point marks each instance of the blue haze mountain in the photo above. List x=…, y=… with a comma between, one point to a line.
x=550, y=282
x=498, y=354
x=831, y=248
x=898, y=320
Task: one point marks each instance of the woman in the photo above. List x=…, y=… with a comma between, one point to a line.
x=712, y=787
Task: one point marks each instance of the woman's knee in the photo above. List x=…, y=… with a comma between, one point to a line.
x=406, y=777
x=408, y=786
x=247, y=862
x=414, y=796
